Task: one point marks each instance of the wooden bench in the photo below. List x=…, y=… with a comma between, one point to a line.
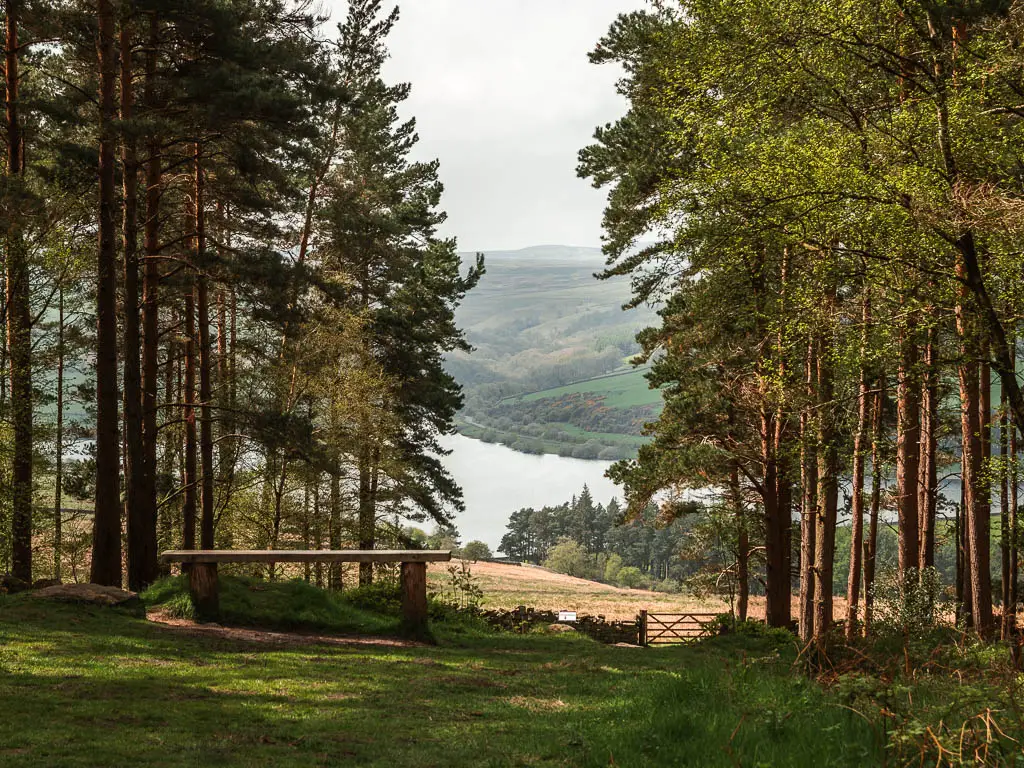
x=202, y=570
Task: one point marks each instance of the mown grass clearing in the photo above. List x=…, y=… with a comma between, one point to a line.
x=88, y=686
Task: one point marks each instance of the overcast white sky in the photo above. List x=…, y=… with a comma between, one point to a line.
x=504, y=96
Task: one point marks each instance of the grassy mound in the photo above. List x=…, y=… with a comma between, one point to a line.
x=295, y=605
x=286, y=605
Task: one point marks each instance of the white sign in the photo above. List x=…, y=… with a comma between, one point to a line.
x=567, y=615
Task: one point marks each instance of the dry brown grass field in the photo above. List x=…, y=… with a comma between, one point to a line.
x=507, y=586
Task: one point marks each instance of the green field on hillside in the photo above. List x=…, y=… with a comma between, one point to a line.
x=620, y=390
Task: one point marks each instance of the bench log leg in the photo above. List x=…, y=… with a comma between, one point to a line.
x=202, y=580
x=414, y=595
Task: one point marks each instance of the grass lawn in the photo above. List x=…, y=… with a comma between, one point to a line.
x=87, y=686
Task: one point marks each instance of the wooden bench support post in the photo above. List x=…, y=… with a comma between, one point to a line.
x=414, y=595
x=202, y=582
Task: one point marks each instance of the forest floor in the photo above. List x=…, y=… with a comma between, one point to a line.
x=88, y=686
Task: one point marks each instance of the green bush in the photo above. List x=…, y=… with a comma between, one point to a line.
x=630, y=577
x=569, y=557
x=612, y=568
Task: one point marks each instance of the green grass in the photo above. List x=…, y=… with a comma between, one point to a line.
x=620, y=390
x=86, y=686
x=615, y=437
x=286, y=605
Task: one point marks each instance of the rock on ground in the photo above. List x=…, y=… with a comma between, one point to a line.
x=560, y=628
x=89, y=593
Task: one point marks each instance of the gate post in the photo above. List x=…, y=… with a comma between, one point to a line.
x=642, y=628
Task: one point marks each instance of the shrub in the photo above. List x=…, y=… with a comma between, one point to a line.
x=476, y=550
x=908, y=604
x=630, y=577
x=569, y=557
x=612, y=568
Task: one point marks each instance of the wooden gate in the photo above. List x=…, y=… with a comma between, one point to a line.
x=676, y=627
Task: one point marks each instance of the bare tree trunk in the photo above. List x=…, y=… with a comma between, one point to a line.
x=928, y=482
x=976, y=524
x=142, y=555
x=188, y=507
x=147, y=496
x=19, y=321
x=1006, y=627
x=857, y=502
x=809, y=502
x=828, y=504
x=367, y=514
x=908, y=450
x=58, y=480
x=742, y=543
x=205, y=389
x=871, y=542
x=106, y=546
x=1014, y=553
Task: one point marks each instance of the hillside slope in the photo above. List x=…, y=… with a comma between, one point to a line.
x=544, y=327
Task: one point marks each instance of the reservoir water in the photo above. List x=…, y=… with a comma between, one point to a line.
x=497, y=481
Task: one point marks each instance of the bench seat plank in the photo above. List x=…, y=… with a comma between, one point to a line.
x=305, y=556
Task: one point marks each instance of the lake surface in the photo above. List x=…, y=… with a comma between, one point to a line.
x=497, y=481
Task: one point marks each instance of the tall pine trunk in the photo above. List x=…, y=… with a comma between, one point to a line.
x=106, y=543
x=142, y=554
x=205, y=362
x=742, y=543
x=19, y=320
x=908, y=450
x=147, y=495
x=928, y=471
x=1006, y=626
x=367, y=513
x=977, y=585
x=58, y=469
x=857, y=501
x=809, y=500
x=189, y=480
x=828, y=503
x=871, y=540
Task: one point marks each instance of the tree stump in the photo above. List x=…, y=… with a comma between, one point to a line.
x=202, y=578
x=414, y=595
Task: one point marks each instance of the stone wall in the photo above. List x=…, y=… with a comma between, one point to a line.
x=523, y=619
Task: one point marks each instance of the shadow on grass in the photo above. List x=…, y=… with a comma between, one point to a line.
x=94, y=686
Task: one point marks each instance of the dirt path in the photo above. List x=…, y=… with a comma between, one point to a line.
x=191, y=628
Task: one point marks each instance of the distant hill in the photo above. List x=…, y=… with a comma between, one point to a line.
x=540, y=320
